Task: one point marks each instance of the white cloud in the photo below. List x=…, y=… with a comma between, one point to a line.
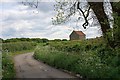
x=21, y=21
x=27, y=0
x=7, y=0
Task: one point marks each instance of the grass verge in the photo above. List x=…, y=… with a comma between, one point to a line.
x=8, y=70
x=88, y=63
x=9, y=50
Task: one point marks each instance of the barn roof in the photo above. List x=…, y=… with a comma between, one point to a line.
x=79, y=33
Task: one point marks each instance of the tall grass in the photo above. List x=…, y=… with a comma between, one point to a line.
x=8, y=52
x=91, y=58
x=18, y=46
x=7, y=66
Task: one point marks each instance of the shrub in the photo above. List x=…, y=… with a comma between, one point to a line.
x=7, y=66
x=64, y=39
x=90, y=58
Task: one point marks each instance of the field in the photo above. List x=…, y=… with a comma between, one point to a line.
x=89, y=58
x=8, y=52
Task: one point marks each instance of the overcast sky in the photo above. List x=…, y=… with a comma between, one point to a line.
x=19, y=21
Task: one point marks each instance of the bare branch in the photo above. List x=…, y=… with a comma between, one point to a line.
x=31, y=4
x=85, y=16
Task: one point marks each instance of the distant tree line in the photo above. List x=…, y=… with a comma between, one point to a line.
x=38, y=40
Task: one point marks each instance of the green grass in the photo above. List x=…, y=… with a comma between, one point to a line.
x=18, y=46
x=7, y=66
x=8, y=70
x=89, y=58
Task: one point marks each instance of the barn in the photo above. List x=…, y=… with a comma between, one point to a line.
x=77, y=35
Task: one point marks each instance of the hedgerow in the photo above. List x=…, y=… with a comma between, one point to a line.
x=89, y=58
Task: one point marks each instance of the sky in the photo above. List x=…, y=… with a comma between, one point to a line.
x=19, y=21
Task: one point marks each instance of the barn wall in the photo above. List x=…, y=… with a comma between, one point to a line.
x=81, y=37
x=75, y=36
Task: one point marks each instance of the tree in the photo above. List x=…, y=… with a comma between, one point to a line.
x=45, y=40
x=116, y=7
x=113, y=37
x=63, y=13
x=1, y=40
x=66, y=9
x=101, y=16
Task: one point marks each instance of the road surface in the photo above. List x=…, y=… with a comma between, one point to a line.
x=27, y=67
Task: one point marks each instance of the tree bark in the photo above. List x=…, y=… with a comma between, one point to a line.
x=98, y=9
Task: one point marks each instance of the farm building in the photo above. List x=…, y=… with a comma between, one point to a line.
x=77, y=35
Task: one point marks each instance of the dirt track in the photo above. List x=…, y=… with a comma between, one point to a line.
x=27, y=67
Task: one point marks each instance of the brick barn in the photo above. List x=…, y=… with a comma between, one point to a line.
x=77, y=35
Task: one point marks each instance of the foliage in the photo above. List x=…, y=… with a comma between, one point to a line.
x=113, y=37
x=116, y=7
x=1, y=40
x=7, y=66
x=38, y=40
x=89, y=58
x=45, y=40
x=64, y=39
x=57, y=39
x=8, y=51
x=116, y=30
x=18, y=46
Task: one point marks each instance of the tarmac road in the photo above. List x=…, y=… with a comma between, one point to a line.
x=27, y=67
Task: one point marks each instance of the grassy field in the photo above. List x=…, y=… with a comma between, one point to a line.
x=9, y=50
x=89, y=58
x=17, y=46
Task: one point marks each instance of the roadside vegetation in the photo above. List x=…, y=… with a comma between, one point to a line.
x=8, y=51
x=89, y=58
x=11, y=47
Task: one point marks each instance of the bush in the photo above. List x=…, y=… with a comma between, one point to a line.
x=64, y=39
x=90, y=58
x=7, y=66
x=45, y=40
x=112, y=36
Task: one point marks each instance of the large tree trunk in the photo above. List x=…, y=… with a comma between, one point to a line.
x=98, y=9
